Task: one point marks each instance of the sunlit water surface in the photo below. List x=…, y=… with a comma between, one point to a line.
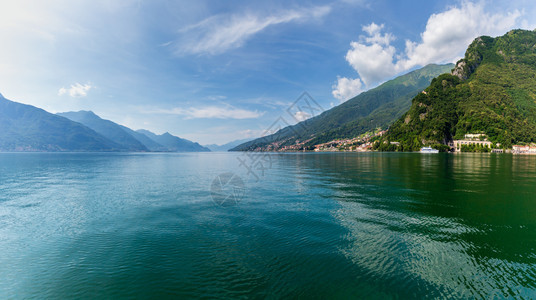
x=341, y=225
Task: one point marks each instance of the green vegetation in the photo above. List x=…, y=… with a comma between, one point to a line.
x=492, y=91
x=378, y=107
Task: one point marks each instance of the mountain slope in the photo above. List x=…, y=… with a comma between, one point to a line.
x=106, y=128
x=378, y=107
x=227, y=146
x=492, y=91
x=28, y=128
x=173, y=143
x=146, y=141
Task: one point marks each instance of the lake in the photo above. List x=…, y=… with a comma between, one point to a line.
x=235, y=225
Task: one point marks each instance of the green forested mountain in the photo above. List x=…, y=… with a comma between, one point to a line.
x=28, y=128
x=378, y=107
x=492, y=90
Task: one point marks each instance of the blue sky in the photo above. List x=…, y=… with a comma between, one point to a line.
x=216, y=71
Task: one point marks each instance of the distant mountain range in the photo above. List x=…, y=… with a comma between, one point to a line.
x=106, y=128
x=378, y=107
x=130, y=140
x=28, y=128
x=227, y=146
x=174, y=143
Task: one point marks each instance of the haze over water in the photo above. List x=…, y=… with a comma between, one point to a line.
x=342, y=225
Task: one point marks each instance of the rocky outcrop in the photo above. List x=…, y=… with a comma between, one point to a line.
x=473, y=57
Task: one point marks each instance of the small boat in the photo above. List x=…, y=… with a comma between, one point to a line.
x=428, y=150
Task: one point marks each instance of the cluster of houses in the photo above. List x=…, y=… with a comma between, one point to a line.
x=358, y=144
x=363, y=144
x=518, y=149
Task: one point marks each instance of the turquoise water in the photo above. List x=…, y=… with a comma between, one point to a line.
x=370, y=225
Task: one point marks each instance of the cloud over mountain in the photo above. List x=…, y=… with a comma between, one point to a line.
x=444, y=39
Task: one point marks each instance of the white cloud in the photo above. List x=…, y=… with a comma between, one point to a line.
x=373, y=62
x=210, y=112
x=250, y=133
x=220, y=33
x=301, y=116
x=375, y=34
x=346, y=88
x=76, y=90
x=448, y=34
x=445, y=38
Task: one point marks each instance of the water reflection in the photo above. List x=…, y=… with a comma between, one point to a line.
x=323, y=225
x=461, y=225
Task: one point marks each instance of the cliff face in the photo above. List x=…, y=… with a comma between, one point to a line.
x=473, y=57
x=492, y=90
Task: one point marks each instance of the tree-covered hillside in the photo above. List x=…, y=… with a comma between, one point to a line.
x=492, y=91
x=378, y=107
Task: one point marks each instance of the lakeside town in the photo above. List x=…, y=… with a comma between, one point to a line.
x=364, y=143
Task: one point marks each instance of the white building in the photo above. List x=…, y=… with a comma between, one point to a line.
x=457, y=144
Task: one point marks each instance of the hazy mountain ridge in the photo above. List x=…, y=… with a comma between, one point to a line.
x=173, y=143
x=227, y=146
x=492, y=90
x=130, y=140
x=146, y=141
x=378, y=107
x=28, y=128
x=106, y=128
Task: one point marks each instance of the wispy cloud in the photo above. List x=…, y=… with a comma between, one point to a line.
x=76, y=90
x=220, y=33
x=217, y=97
x=165, y=44
x=209, y=112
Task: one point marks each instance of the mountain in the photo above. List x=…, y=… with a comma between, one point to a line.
x=106, y=128
x=173, y=143
x=227, y=146
x=146, y=141
x=378, y=107
x=491, y=91
x=28, y=128
x=130, y=140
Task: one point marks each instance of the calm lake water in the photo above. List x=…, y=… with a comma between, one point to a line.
x=347, y=225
